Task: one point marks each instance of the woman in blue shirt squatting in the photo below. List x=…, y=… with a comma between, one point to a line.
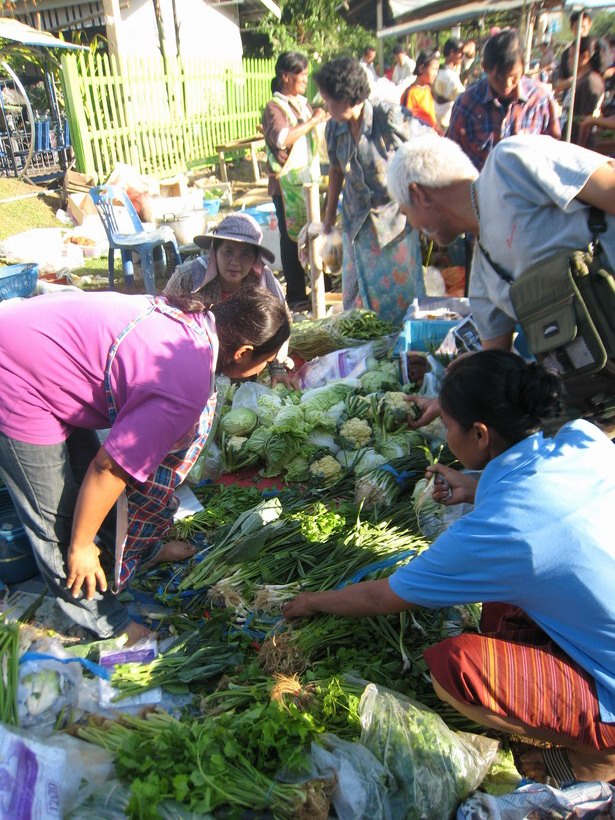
x=537, y=550
x=382, y=268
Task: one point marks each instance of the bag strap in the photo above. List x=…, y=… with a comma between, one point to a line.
x=596, y=223
x=503, y=274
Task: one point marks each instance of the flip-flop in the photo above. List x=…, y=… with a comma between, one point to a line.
x=558, y=771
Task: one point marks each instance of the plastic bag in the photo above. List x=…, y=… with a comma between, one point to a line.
x=47, y=777
x=434, y=282
x=208, y=466
x=49, y=681
x=332, y=251
x=432, y=768
x=45, y=247
x=248, y=393
x=361, y=781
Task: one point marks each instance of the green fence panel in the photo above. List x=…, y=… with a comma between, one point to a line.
x=160, y=116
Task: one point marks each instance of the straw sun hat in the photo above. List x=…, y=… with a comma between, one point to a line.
x=237, y=228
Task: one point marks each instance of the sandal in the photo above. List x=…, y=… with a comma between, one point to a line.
x=558, y=772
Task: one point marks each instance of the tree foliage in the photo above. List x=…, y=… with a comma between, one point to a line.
x=314, y=27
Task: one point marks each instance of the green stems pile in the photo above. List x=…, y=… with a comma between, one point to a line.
x=9, y=672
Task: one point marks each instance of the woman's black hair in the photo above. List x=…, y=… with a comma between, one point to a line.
x=592, y=46
x=502, y=391
x=343, y=79
x=252, y=316
x=289, y=62
x=424, y=58
x=502, y=52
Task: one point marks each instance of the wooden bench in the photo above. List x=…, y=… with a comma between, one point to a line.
x=251, y=143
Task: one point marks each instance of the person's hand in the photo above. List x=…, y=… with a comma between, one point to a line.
x=300, y=607
x=319, y=115
x=429, y=407
x=450, y=486
x=85, y=571
x=290, y=380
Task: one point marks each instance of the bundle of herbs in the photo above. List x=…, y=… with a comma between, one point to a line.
x=208, y=763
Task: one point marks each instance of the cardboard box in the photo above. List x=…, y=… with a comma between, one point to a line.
x=75, y=182
x=80, y=207
x=174, y=186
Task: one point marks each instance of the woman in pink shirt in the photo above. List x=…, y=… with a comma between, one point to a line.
x=75, y=363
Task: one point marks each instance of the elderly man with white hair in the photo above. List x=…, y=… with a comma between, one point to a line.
x=530, y=201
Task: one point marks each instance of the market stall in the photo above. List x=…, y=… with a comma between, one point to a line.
x=230, y=708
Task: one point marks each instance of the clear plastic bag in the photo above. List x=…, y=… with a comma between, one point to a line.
x=432, y=767
x=361, y=781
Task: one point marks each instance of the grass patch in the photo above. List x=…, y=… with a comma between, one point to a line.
x=24, y=214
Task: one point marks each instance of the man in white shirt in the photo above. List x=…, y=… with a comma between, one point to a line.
x=403, y=66
x=448, y=85
x=367, y=64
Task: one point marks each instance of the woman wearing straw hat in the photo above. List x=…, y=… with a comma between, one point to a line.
x=234, y=258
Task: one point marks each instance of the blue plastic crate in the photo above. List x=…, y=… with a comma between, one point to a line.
x=211, y=206
x=423, y=334
x=18, y=280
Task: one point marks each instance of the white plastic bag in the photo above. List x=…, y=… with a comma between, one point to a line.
x=44, y=777
x=248, y=393
x=332, y=251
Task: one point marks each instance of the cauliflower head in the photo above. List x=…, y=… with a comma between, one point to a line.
x=326, y=470
x=354, y=434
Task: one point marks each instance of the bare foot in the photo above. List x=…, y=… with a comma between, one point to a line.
x=586, y=766
x=174, y=551
x=137, y=632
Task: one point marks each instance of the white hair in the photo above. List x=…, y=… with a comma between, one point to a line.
x=428, y=160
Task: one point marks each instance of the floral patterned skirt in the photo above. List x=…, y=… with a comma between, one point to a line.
x=384, y=280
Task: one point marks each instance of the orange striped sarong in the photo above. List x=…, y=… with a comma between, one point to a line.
x=514, y=669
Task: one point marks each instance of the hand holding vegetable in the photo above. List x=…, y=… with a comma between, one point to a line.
x=288, y=378
x=300, y=607
x=451, y=487
x=429, y=407
x=84, y=570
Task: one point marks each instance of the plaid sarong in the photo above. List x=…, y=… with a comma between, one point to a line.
x=151, y=504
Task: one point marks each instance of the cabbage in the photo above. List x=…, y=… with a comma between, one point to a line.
x=267, y=408
x=298, y=468
x=400, y=443
x=281, y=449
x=376, y=380
x=349, y=458
x=325, y=397
x=258, y=441
x=369, y=460
x=290, y=420
x=327, y=419
x=322, y=439
x=392, y=448
x=239, y=422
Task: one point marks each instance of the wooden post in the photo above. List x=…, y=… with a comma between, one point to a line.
x=113, y=25
x=317, y=279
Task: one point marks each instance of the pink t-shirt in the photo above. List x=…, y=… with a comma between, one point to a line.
x=53, y=354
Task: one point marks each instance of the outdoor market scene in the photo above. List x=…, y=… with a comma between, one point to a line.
x=307, y=409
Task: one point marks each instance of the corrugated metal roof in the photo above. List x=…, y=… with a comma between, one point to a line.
x=450, y=14
x=19, y=32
